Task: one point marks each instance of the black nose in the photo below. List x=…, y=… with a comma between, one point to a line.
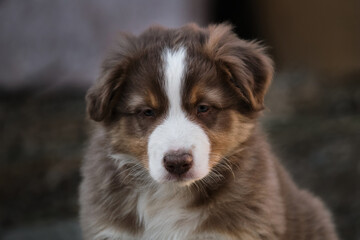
x=178, y=162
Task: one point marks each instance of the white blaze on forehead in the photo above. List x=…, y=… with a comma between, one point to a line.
x=177, y=132
x=174, y=74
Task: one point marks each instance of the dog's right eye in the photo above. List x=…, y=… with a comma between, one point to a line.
x=148, y=112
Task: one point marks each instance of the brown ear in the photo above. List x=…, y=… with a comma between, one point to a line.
x=249, y=69
x=99, y=97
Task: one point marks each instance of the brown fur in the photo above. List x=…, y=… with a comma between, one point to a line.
x=247, y=194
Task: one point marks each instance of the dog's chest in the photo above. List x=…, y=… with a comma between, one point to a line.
x=166, y=215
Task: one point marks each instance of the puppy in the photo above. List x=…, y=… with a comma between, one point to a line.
x=176, y=151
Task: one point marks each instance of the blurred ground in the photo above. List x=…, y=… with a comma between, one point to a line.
x=44, y=134
x=42, y=142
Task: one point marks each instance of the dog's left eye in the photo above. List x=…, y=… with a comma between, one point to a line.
x=202, y=108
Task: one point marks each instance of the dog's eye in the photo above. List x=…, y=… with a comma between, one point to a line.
x=203, y=108
x=148, y=112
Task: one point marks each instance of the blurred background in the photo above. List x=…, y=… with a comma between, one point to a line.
x=50, y=53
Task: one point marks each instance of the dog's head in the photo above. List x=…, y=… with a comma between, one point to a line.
x=180, y=100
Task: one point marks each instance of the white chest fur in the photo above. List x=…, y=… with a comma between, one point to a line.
x=165, y=216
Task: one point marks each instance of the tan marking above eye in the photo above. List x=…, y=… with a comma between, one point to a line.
x=134, y=101
x=214, y=96
x=153, y=102
x=194, y=95
x=207, y=96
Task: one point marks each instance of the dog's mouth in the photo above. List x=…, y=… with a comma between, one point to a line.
x=185, y=178
x=179, y=180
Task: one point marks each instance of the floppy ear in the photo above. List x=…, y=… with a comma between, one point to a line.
x=99, y=97
x=249, y=69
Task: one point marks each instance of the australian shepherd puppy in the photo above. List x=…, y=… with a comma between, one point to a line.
x=176, y=151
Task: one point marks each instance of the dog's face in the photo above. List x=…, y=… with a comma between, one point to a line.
x=180, y=101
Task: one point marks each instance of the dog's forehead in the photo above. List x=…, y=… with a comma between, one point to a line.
x=183, y=65
x=145, y=73
x=185, y=71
